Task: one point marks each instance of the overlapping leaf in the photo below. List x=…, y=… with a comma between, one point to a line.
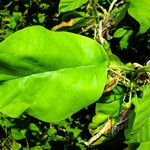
x=140, y=10
x=50, y=75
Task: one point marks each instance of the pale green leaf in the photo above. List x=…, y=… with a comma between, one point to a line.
x=68, y=5
x=15, y=145
x=124, y=42
x=50, y=75
x=140, y=10
x=18, y=134
x=120, y=32
x=34, y=127
x=41, y=17
x=98, y=119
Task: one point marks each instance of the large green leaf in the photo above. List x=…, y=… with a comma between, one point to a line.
x=68, y=5
x=144, y=146
x=50, y=75
x=140, y=10
x=139, y=121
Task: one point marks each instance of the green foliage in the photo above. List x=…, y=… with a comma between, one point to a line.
x=41, y=18
x=50, y=75
x=103, y=109
x=98, y=119
x=18, y=134
x=68, y=5
x=140, y=10
x=124, y=42
x=35, y=70
x=120, y=32
x=139, y=122
x=13, y=20
x=144, y=146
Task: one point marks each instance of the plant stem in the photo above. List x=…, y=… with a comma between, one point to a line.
x=120, y=75
x=144, y=68
x=103, y=9
x=121, y=67
x=112, y=5
x=130, y=94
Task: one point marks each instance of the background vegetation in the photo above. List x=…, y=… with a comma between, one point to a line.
x=127, y=38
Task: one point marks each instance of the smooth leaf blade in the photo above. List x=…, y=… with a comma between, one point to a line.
x=50, y=75
x=144, y=146
x=120, y=32
x=68, y=5
x=36, y=49
x=140, y=10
